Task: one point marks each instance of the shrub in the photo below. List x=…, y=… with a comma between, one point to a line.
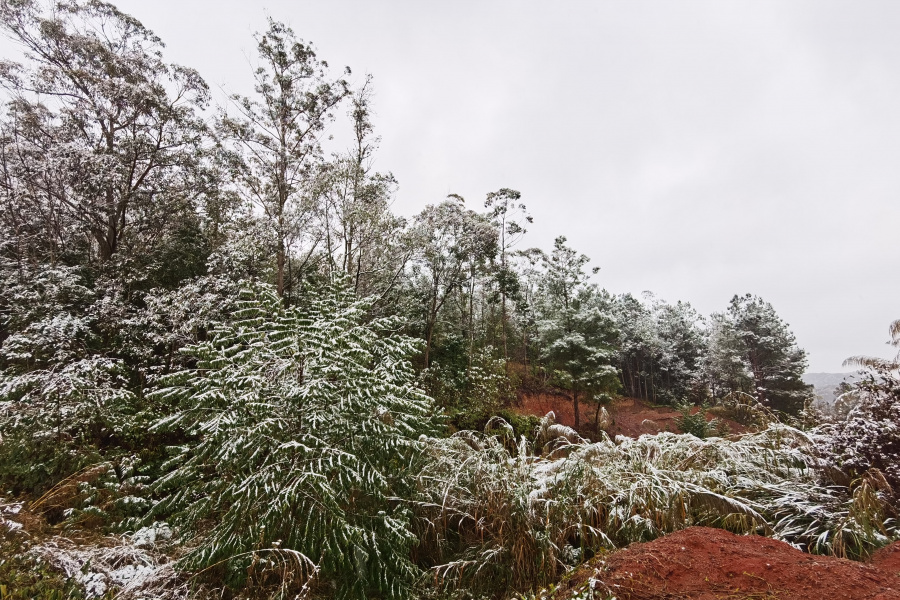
x=522, y=425
x=696, y=424
x=868, y=437
x=303, y=421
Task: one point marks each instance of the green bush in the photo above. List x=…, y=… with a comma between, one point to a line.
x=697, y=425
x=522, y=425
x=304, y=421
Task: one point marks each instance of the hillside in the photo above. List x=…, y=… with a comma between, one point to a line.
x=231, y=370
x=631, y=417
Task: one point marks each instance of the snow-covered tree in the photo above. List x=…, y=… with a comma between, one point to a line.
x=301, y=421
x=661, y=349
x=451, y=240
x=576, y=332
x=753, y=351
x=101, y=142
x=868, y=437
x=274, y=139
x=361, y=236
x=62, y=392
x=510, y=218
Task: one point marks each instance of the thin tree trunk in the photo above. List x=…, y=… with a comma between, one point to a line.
x=432, y=318
x=280, y=266
x=471, y=323
x=525, y=349
x=575, y=404
x=503, y=325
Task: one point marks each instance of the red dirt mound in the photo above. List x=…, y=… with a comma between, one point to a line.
x=711, y=564
x=888, y=559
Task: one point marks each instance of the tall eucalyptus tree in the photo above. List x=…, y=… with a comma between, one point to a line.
x=101, y=139
x=450, y=239
x=363, y=238
x=275, y=138
x=509, y=217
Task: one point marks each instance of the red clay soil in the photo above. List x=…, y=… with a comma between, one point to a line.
x=888, y=559
x=631, y=417
x=700, y=563
x=540, y=403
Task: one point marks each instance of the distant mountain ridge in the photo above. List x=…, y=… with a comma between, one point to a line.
x=825, y=384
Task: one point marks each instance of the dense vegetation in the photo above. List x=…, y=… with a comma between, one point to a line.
x=218, y=337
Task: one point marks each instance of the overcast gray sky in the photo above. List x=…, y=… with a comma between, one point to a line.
x=694, y=149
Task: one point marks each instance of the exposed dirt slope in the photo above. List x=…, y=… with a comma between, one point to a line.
x=710, y=564
x=631, y=417
x=888, y=559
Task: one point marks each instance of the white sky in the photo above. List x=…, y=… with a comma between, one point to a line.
x=695, y=149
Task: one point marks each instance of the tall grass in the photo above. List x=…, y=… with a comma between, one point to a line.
x=496, y=515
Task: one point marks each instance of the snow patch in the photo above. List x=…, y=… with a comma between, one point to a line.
x=129, y=564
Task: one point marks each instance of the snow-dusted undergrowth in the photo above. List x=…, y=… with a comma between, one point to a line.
x=131, y=566
x=300, y=424
x=493, y=511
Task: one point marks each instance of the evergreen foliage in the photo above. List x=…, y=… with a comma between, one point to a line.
x=661, y=349
x=753, y=351
x=696, y=423
x=302, y=422
x=576, y=333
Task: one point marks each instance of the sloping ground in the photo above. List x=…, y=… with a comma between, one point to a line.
x=540, y=403
x=631, y=417
x=888, y=559
x=701, y=563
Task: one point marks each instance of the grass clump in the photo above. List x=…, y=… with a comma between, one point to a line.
x=495, y=517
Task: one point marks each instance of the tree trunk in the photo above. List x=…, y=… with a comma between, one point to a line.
x=432, y=318
x=471, y=324
x=503, y=325
x=525, y=349
x=575, y=404
x=280, y=266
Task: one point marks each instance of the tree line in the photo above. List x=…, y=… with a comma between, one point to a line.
x=126, y=193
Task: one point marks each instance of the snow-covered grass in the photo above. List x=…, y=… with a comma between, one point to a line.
x=128, y=565
x=494, y=514
x=40, y=561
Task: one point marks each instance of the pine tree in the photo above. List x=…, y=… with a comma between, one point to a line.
x=753, y=351
x=661, y=349
x=576, y=334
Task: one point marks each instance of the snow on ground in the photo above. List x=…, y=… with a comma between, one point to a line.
x=130, y=563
